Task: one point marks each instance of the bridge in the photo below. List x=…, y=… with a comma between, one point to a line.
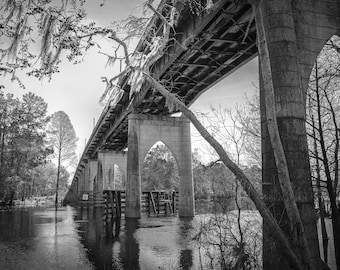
x=204, y=50
x=207, y=49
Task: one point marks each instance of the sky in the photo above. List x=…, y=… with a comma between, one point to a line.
x=77, y=88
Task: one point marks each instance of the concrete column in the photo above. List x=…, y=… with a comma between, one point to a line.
x=75, y=192
x=105, y=168
x=133, y=181
x=295, y=31
x=79, y=182
x=93, y=167
x=144, y=132
x=100, y=178
x=186, y=188
x=87, y=177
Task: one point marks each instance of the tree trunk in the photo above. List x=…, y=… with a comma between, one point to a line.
x=58, y=176
x=296, y=225
x=2, y=153
x=330, y=189
x=319, y=196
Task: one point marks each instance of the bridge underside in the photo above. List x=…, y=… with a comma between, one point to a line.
x=212, y=46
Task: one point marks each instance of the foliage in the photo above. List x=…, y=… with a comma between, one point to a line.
x=323, y=95
x=224, y=246
x=44, y=178
x=23, y=144
x=160, y=170
x=119, y=178
x=55, y=24
x=324, y=138
x=63, y=139
x=217, y=183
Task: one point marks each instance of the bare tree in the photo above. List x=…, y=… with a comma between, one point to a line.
x=323, y=128
x=63, y=139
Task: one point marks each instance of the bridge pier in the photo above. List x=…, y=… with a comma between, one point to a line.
x=86, y=176
x=92, y=167
x=105, y=168
x=81, y=183
x=144, y=131
x=295, y=31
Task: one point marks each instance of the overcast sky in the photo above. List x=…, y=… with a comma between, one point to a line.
x=77, y=88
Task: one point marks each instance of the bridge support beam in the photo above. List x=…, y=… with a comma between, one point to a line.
x=81, y=183
x=86, y=176
x=295, y=32
x=105, y=168
x=144, y=132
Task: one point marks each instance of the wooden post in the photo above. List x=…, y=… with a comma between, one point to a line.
x=112, y=204
x=165, y=204
x=158, y=203
x=173, y=197
x=106, y=206
x=118, y=204
x=149, y=198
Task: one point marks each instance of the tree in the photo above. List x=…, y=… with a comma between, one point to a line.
x=238, y=129
x=23, y=141
x=160, y=169
x=63, y=139
x=56, y=23
x=45, y=177
x=323, y=129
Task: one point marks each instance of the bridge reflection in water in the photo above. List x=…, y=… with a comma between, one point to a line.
x=146, y=243
x=77, y=238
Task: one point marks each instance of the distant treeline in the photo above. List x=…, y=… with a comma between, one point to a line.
x=25, y=151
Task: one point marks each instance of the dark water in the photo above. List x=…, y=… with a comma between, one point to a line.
x=70, y=238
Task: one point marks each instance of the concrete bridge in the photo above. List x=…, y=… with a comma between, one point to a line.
x=208, y=49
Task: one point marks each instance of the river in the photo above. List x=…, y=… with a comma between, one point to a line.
x=75, y=238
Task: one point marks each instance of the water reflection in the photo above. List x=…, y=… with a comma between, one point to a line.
x=147, y=243
x=185, y=234
x=97, y=242
x=42, y=238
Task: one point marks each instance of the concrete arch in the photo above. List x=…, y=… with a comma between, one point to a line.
x=307, y=63
x=168, y=130
x=312, y=69
x=170, y=152
x=315, y=23
x=106, y=161
x=114, y=171
x=174, y=154
x=144, y=132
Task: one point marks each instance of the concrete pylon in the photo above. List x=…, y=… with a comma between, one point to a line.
x=86, y=176
x=80, y=183
x=296, y=31
x=144, y=132
x=93, y=167
x=105, y=164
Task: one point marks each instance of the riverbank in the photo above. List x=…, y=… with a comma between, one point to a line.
x=47, y=201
